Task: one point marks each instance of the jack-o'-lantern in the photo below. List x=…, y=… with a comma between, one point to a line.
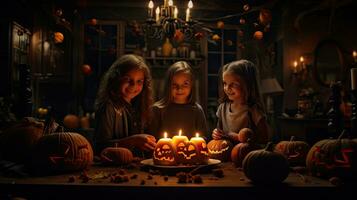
x=202, y=152
x=164, y=153
x=186, y=153
x=265, y=166
x=62, y=152
x=333, y=157
x=295, y=151
x=220, y=149
x=17, y=142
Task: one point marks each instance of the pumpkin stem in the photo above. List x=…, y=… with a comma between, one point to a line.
x=269, y=147
x=342, y=134
x=292, y=138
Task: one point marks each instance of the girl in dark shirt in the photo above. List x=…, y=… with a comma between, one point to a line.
x=123, y=106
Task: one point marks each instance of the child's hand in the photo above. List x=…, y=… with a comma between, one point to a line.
x=217, y=134
x=144, y=142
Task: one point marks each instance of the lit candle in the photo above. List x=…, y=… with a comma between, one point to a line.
x=157, y=11
x=354, y=78
x=187, y=14
x=295, y=67
x=164, y=153
x=302, y=62
x=354, y=55
x=201, y=147
x=175, y=12
x=151, y=9
x=179, y=138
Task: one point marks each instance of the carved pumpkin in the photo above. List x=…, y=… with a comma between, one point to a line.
x=201, y=149
x=61, y=152
x=116, y=155
x=220, y=149
x=265, y=166
x=240, y=151
x=186, y=153
x=333, y=157
x=164, y=153
x=245, y=134
x=17, y=142
x=295, y=151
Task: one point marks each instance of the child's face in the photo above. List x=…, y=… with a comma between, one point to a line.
x=233, y=86
x=181, y=86
x=132, y=84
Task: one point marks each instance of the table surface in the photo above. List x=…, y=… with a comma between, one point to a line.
x=144, y=181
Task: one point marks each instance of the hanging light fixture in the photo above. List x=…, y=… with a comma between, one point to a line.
x=163, y=21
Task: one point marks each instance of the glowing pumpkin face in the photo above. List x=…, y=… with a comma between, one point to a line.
x=220, y=149
x=164, y=154
x=186, y=153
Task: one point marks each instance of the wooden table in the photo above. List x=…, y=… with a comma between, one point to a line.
x=149, y=186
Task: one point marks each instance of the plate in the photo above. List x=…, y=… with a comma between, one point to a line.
x=150, y=163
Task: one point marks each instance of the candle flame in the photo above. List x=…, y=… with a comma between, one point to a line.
x=180, y=132
x=165, y=135
x=197, y=135
x=190, y=4
x=354, y=54
x=171, y=2
x=295, y=63
x=151, y=4
x=157, y=11
x=301, y=59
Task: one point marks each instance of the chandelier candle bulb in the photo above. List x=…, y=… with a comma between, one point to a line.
x=151, y=9
x=354, y=78
x=157, y=11
x=175, y=13
x=295, y=70
x=187, y=14
x=354, y=55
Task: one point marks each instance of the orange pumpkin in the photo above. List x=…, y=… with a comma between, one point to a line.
x=295, y=151
x=62, y=152
x=71, y=121
x=58, y=37
x=258, y=35
x=240, y=151
x=17, y=142
x=220, y=149
x=244, y=134
x=116, y=156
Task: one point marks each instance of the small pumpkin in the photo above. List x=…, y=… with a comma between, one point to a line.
x=258, y=35
x=116, y=156
x=244, y=134
x=220, y=149
x=71, y=121
x=265, y=166
x=62, y=152
x=18, y=141
x=333, y=157
x=240, y=151
x=58, y=37
x=295, y=151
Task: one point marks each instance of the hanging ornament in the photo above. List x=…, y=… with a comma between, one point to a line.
x=220, y=24
x=216, y=37
x=229, y=43
x=86, y=69
x=179, y=36
x=246, y=7
x=198, y=35
x=240, y=33
x=242, y=21
x=265, y=17
x=258, y=35
x=93, y=22
x=59, y=12
x=58, y=37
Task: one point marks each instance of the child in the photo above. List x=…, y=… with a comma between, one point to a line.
x=178, y=109
x=123, y=106
x=241, y=105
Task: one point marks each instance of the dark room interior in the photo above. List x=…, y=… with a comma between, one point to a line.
x=54, y=56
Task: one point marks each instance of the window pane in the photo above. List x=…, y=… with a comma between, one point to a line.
x=214, y=63
x=212, y=86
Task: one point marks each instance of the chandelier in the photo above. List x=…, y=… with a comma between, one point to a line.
x=164, y=21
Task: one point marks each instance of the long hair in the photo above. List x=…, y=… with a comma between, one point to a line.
x=111, y=82
x=177, y=67
x=248, y=72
